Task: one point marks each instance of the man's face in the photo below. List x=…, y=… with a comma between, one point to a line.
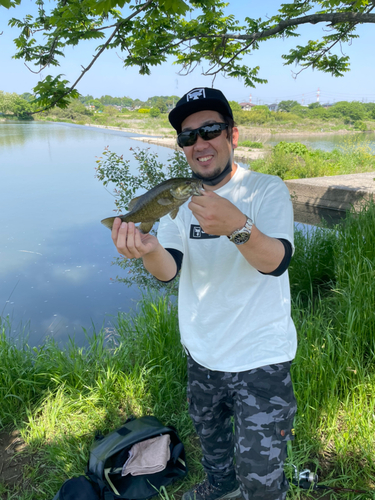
x=208, y=158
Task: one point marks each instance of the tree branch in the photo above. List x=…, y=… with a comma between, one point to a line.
x=336, y=18
x=85, y=70
x=349, y=28
x=341, y=17
x=221, y=67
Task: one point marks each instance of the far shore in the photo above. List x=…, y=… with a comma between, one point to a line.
x=164, y=137
x=241, y=153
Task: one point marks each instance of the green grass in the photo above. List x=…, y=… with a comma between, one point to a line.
x=251, y=144
x=296, y=161
x=59, y=398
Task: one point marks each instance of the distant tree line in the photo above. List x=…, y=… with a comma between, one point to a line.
x=20, y=105
x=354, y=112
x=14, y=104
x=162, y=103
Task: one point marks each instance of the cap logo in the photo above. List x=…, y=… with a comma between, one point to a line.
x=195, y=94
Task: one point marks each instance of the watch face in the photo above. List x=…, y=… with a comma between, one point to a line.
x=241, y=238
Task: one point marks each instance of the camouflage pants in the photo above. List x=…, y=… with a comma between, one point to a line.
x=262, y=404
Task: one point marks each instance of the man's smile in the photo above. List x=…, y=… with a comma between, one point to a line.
x=205, y=158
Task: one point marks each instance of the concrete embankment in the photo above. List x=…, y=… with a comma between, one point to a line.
x=329, y=198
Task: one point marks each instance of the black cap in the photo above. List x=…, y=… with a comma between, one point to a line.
x=199, y=99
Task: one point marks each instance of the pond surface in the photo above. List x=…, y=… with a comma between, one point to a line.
x=55, y=256
x=329, y=142
x=56, y=273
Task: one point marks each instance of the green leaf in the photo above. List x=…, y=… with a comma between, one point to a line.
x=174, y=6
x=6, y=3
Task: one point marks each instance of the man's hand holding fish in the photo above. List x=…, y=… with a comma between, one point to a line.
x=133, y=244
x=130, y=241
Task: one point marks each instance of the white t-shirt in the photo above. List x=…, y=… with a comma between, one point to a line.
x=232, y=318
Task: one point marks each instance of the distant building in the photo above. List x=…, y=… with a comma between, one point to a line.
x=246, y=106
x=272, y=107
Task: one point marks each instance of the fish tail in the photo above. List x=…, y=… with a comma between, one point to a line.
x=108, y=222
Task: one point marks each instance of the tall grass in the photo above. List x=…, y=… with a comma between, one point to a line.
x=334, y=370
x=59, y=398
x=296, y=161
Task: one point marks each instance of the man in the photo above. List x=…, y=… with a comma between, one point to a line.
x=233, y=245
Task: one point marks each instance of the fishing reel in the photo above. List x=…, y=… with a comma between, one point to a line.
x=308, y=480
x=305, y=479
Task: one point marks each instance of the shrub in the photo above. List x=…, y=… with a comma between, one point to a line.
x=251, y=144
x=259, y=116
x=113, y=169
x=358, y=125
x=294, y=148
x=154, y=112
x=296, y=161
x=286, y=117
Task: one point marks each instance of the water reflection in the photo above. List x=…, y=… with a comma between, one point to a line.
x=66, y=285
x=15, y=133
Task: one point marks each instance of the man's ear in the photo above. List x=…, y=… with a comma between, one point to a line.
x=235, y=137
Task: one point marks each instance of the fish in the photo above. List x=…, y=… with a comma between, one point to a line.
x=165, y=198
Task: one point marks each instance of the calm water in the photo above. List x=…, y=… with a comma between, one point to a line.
x=328, y=143
x=55, y=256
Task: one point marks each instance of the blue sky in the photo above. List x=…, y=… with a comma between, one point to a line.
x=109, y=77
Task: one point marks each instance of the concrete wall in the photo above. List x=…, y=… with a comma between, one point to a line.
x=329, y=198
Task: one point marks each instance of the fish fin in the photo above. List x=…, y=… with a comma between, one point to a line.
x=145, y=227
x=174, y=213
x=108, y=222
x=133, y=202
x=164, y=201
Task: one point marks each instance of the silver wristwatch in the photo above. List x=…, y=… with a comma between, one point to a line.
x=241, y=236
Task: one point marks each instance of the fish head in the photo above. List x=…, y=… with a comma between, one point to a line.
x=184, y=188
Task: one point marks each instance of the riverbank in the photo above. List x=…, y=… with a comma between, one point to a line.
x=261, y=132
x=153, y=137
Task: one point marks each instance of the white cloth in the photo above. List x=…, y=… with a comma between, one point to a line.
x=148, y=457
x=232, y=318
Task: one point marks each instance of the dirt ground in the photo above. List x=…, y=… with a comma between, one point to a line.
x=12, y=460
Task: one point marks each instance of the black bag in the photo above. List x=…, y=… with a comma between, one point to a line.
x=107, y=456
x=78, y=488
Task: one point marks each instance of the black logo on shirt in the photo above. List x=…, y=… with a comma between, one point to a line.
x=197, y=233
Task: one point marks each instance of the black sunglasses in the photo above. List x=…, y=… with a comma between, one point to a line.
x=207, y=132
